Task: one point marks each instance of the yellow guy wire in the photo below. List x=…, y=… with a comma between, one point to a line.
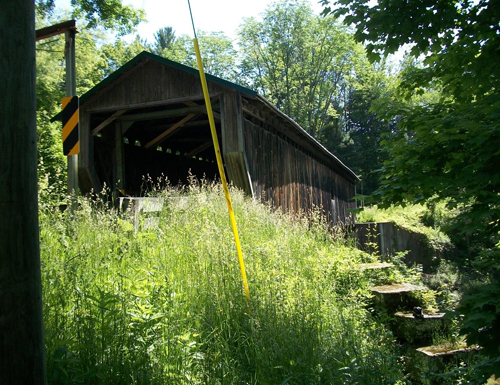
x=219, y=158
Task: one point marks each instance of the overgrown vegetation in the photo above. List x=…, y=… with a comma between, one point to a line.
x=414, y=218
x=165, y=305
x=432, y=130
x=465, y=282
x=445, y=149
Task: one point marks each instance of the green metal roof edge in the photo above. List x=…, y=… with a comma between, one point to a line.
x=148, y=55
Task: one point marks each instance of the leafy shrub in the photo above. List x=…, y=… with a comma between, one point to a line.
x=481, y=306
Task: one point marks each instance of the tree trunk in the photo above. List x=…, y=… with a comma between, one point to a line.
x=22, y=357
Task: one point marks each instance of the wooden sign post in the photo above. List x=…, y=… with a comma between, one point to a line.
x=71, y=91
x=69, y=29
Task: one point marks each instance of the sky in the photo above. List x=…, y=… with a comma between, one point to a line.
x=208, y=15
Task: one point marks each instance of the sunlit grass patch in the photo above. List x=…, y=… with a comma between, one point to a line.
x=166, y=305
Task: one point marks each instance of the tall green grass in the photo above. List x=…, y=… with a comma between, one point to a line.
x=166, y=306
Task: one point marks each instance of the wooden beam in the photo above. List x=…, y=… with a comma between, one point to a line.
x=232, y=123
x=216, y=115
x=119, y=159
x=237, y=170
x=163, y=114
x=170, y=131
x=157, y=103
x=109, y=120
x=198, y=123
x=213, y=101
x=53, y=30
x=190, y=140
x=126, y=126
x=250, y=111
x=199, y=149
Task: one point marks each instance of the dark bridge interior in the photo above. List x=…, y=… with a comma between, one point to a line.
x=135, y=147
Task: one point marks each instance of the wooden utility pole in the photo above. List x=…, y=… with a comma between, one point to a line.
x=22, y=353
x=69, y=29
x=71, y=91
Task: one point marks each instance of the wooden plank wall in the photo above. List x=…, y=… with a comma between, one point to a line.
x=149, y=82
x=286, y=177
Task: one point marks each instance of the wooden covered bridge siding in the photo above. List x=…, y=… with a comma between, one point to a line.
x=288, y=178
x=149, y=117
x=285, y=174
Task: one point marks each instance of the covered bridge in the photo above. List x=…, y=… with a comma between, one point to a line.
x=149, y=118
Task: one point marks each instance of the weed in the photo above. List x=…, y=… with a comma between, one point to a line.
x=165, y=305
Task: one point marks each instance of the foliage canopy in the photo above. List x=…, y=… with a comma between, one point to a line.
x=299, y=61
x=458, y=40
x=446, y=149
x=111, y=14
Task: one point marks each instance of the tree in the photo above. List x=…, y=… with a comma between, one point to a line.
x=362, y=126
x=300, y=62
x=458, y=39
x=21, y=326
x=110, y=14
x=311, y=68
x=218, y=53
x=164, y=39
x=116, y=54
x=447, y=148
x=52, y=173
